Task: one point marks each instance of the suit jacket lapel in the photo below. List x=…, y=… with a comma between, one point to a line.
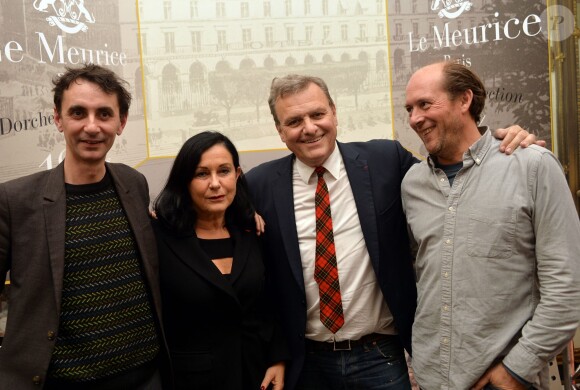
x=360, y=182
x=189, y=252
x=54, y=205
x=132, y=206
x=137, y=218
x=241, y=253
x=283, y=195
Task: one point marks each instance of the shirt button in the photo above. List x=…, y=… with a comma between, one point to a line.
x=442, y=180
x=36, y=379
x=451, y=208
x=477, y=160
x=445, y=308
x=448, y=241
x=444, y=340
x=446, y=274
x=50, y=335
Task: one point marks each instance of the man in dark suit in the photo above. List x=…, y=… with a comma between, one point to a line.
x=375, y=271
x=84, y=295
x=376, y=275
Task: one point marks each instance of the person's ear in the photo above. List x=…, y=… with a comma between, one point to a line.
x=57, y=119
x=466, y=99
x=123, y=123
x=281, y=133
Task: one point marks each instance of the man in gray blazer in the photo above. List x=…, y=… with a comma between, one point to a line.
x=84, y=296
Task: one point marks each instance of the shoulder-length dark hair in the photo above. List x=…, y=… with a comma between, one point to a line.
x=174, y=206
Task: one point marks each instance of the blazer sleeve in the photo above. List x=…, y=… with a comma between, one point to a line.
x=277, y=346
x=406, y=158
x=4, y=236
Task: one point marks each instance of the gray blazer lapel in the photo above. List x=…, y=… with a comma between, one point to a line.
x=360, y=183
x=133, y=198
x=137, y=215
x=133, y=207
x=54, y=205
x=283, y=195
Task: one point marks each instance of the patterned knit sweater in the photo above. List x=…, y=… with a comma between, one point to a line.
x=106, y=322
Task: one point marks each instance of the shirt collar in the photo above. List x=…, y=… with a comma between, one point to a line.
x=477, y=151
x=332, y=165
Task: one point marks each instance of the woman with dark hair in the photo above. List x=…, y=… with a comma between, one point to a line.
x=215, y=310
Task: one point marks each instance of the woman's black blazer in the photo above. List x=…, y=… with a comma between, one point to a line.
x=219, y=332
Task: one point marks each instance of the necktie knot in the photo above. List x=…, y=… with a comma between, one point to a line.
x=320, y=171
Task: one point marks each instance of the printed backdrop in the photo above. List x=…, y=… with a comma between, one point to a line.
x=197, y=65
x=504, y=42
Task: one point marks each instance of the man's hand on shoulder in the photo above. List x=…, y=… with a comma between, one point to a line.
x=260, y=224
x=514, y=137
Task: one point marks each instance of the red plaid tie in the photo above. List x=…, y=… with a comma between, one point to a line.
x=325, y=270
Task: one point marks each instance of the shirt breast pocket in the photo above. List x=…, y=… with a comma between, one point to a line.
x=491, y=232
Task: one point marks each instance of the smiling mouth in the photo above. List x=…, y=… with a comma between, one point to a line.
x=427, y=131
x=311, y=141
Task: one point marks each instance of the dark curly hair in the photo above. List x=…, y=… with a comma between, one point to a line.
x=105, y=78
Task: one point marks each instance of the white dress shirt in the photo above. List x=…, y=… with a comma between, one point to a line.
x=364, y=307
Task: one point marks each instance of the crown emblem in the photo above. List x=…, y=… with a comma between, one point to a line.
x=450, y=9
x=71, y=16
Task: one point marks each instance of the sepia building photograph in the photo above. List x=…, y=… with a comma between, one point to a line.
x=210, y=64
